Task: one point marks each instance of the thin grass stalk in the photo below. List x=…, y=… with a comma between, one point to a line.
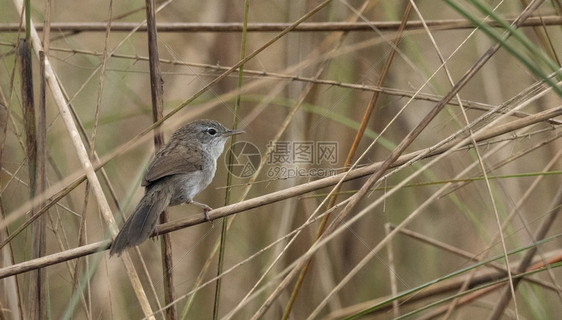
x=83, y=264
x=401, y=225
x=282, y=129
x=144, y=268
x=465, y=296
x=36, y=293
x=225, y=224
x=530, y=64
x=13, y=75
x=477, y=151
x=467, y=255
x=488, y=134
x=69, y=188
x=507, y=291
x=505, y=223
x=351, y=154
x=86, y=302
x=3, y=126
x=88, y=143
x=26, y=7
x=338, y=39
x=470, y=295
x=223, y=27
x=537, y=54
x=463, y=180
x=261, y=200
x=509, y=127
x=436, y=289
x=557, y=257
x=469, y=104
x=80, y=177
x=392, y=271
x=394, y=155
x=84, y=160
x=252, y=257
x=501, y=163
x=41, y=180
x=73, y=271
x=157, y=94
x=544, y=38
x=332, y=83
x=406, y=221
x=11, y=286
x=277, y=136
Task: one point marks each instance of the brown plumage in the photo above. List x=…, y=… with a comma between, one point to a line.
x=179, y=171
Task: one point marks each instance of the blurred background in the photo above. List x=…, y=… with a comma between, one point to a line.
x=311, y=89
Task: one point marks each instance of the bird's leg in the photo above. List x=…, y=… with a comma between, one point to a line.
x=205, y=207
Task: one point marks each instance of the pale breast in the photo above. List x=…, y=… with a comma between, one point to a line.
x=187, y=186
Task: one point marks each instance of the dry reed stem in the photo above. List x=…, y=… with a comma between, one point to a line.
x=442, y=24
x=83, y=264
x=405, y=222
x=7, y=256
x=470, y=132
x=277, y=136
x=245, y=205
x=512, y=213
x=84, y=159
x=354, y=146
x=467, y=255
x=478, y=134
x=392, y=271
x=468, y=104
x=393, y=157
x=377, y=174
x=157, y=91
x=507, y=292
x=444, y=287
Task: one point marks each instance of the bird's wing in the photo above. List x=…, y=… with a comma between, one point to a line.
x=182, y=160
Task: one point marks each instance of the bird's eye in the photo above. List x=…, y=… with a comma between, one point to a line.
x=212, y=131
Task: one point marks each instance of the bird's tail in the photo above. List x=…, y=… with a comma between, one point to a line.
x=142, y=222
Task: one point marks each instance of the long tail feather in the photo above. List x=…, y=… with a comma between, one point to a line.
x=142, y=222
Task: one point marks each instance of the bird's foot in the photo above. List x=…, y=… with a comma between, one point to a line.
x=205, y=207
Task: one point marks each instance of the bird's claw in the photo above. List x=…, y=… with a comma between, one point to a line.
x=206, y=209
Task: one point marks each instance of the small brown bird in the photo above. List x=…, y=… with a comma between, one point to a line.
x=179, y=171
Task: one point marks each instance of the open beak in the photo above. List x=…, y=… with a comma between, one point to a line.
x=232, y=132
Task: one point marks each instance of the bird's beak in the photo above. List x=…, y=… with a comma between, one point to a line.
x=232, y=132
